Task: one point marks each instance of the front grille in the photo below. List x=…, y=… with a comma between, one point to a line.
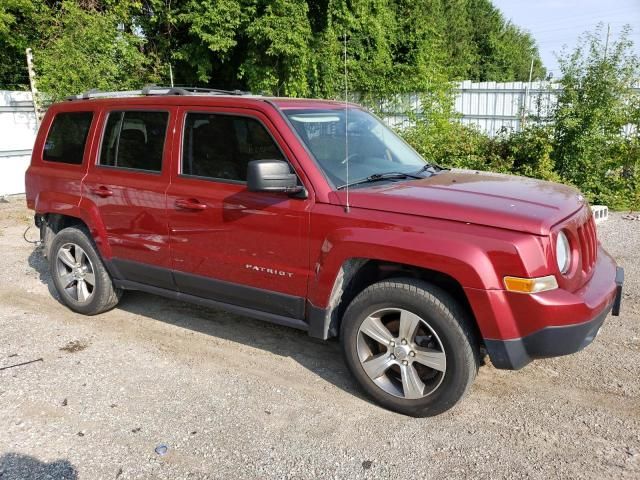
x=588, y=241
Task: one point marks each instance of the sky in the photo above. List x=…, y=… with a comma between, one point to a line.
x=555, y=23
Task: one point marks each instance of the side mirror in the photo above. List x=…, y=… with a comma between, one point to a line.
x=271, y=176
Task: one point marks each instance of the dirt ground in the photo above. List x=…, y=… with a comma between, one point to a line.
x=232, y=397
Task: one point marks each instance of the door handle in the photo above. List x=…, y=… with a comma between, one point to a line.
x=189, y=204
x=102, y=191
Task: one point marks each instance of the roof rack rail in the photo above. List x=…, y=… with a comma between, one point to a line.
x=196, y=90
x=154, y=90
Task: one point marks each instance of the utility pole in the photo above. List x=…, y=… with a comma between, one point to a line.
x=171, y=75
x=32, y=84
x=525, y=103
x=606, y=43
x=531, y=70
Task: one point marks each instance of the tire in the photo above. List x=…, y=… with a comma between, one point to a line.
x=438, y=333
x=73, y=247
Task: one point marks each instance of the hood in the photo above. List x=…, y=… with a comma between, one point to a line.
x=502, y=201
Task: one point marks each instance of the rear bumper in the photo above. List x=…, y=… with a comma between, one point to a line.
x=553, y=341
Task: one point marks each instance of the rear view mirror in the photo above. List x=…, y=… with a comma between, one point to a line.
x=271, y=176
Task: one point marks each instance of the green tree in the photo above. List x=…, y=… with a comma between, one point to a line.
x=20, y=27
x=420, y=51
x=461, y=46
x=285, y=47
x=207, y=32
x=90, y=49
x=596, y=102
x=278, y=57
x=504, y=50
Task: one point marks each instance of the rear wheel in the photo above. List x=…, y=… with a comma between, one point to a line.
x=410, y=346
x=79, y=275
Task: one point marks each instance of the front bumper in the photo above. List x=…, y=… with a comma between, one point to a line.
x=553, y=341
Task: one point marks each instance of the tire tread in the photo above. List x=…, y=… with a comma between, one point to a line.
x=429, y=294
x=107, y=295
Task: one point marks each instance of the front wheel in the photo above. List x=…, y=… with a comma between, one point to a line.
x=410, y=346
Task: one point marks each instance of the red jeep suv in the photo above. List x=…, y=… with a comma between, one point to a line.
x=313, y=214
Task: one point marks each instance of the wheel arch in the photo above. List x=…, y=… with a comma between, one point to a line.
x=52, y=221
x=356, y=274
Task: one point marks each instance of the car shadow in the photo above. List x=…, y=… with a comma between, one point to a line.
x=40, y=264
x=323, y=358
x=15, y=466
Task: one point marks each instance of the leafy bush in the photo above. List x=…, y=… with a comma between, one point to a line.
x=596, y=103
x=529, y=152
x=454, y=145
x=460, y=146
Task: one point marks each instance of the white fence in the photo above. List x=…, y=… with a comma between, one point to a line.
x=492, y=107
x=18, y=128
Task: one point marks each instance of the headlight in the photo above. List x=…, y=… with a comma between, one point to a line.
x=563, y=253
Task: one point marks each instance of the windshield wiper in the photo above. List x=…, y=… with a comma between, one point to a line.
x=433, y=166
x=376, y=177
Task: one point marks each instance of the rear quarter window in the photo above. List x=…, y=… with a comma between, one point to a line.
x=67, y=138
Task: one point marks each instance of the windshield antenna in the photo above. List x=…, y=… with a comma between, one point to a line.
x=346, y=122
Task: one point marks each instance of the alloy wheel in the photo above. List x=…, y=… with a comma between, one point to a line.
x=76, y=273
x=401, y=353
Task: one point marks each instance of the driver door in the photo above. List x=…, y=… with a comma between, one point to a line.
x=228, y=244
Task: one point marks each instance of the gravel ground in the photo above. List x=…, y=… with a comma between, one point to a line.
x=232, y=397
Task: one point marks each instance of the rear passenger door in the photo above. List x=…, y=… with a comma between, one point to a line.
x=228, y=244
x=127, y=183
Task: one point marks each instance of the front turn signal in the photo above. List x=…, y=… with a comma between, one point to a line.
x=530, y=285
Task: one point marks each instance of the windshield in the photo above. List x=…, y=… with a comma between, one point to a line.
x=373, y=148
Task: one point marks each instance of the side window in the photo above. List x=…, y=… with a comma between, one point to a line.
x=134, y=139
x=221, y=146
x=67, y=137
